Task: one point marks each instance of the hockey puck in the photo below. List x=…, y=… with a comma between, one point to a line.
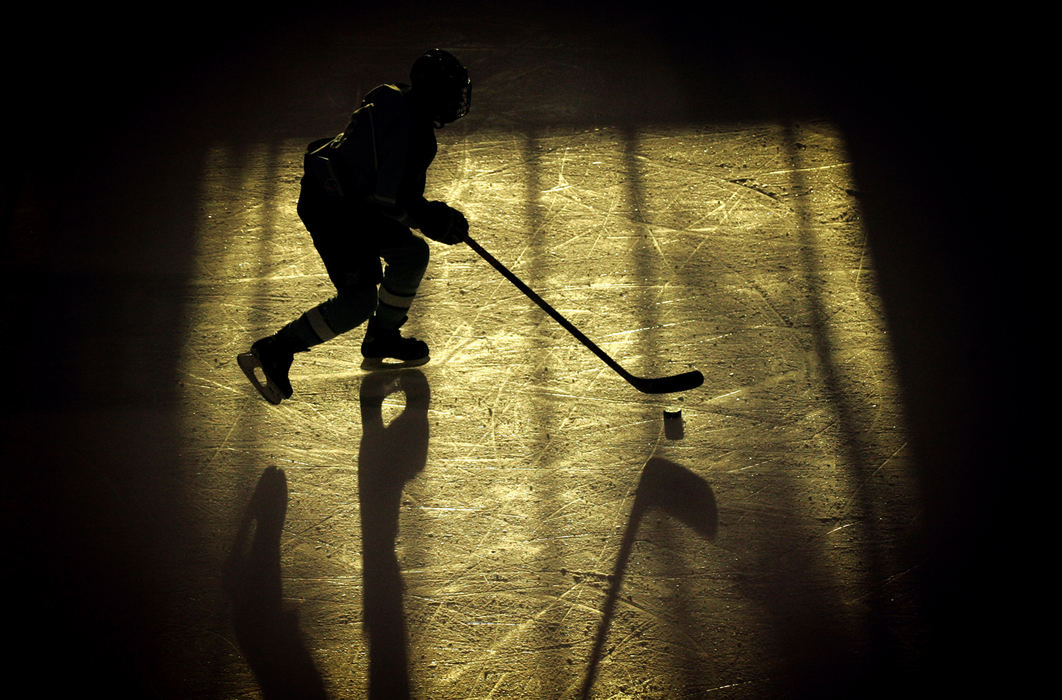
x=673, y=428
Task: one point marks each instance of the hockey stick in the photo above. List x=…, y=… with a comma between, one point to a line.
x=646, y=385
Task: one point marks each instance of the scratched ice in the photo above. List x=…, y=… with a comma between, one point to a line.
x=535, y=539
x=510, y=520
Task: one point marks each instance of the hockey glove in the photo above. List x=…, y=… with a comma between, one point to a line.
x=441, y=222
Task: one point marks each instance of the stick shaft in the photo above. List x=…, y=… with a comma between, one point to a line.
x=647, y=385
x=544, y=305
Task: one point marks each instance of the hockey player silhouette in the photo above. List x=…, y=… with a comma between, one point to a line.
x=362, y=192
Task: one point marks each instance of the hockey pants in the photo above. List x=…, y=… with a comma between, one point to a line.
x=351, y=241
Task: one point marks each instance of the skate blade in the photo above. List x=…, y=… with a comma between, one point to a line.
x=250, y=363
x=383, y=364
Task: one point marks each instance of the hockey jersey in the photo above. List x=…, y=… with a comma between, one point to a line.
x=382, y=156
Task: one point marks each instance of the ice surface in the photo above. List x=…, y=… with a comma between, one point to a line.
x=517, y=485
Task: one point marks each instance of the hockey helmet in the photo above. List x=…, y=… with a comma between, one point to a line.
x=444, y=85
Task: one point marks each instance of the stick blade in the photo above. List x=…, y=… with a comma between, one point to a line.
x=668, y=385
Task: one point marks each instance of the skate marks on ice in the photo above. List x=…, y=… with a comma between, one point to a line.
x=741, y=249
x=671, y=239
x=738, y=251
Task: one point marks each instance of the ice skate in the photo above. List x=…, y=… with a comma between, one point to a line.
x=385, y=348
x=266, y=366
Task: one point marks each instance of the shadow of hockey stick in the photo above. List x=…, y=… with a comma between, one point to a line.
x=681, y=494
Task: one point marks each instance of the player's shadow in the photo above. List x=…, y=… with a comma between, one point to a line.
x=268, y=634
x=680, y=494
x=391, y=454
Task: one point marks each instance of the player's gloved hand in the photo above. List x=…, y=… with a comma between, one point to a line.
x=441, y=222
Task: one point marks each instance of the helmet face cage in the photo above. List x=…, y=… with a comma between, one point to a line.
x=445, y=83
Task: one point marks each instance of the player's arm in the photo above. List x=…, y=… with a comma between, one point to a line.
x=436, y=220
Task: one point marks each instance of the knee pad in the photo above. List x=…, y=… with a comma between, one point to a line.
x=418, y=258
x=406, y=266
